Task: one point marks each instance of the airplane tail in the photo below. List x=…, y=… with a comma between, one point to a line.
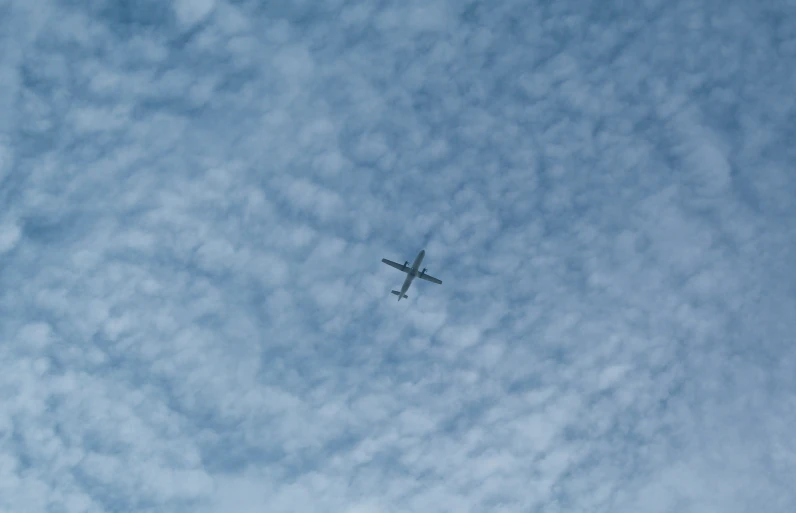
x=397, y=293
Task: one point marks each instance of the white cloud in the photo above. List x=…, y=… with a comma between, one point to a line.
x=10, y=233
x=191, y=12
x=195, y=314
x=6, y=159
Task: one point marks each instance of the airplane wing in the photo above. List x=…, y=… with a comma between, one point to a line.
x=429, y=278
x=398, y=266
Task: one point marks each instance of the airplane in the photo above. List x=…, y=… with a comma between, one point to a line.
x=411, y=273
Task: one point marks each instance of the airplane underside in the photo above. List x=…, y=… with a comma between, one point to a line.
x=412, y=273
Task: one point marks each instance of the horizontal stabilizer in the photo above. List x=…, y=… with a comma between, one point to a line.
x=397, y=293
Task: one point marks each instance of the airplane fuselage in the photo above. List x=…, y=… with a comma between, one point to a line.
x=411, y=273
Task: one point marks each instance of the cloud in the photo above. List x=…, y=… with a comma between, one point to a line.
x=9, y=235
x=191, y=12
x=195, y=202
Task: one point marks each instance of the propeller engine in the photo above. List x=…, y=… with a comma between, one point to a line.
x=423, y=272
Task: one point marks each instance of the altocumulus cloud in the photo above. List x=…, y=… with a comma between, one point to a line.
x=195, y=197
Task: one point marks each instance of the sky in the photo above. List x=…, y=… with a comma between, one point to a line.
x=195, y=197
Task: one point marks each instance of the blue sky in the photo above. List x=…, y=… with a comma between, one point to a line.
x=195, y=196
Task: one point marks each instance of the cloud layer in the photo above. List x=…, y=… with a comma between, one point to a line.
x=195, y=200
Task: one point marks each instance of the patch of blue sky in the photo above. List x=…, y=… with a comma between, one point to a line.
x=194, y=199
